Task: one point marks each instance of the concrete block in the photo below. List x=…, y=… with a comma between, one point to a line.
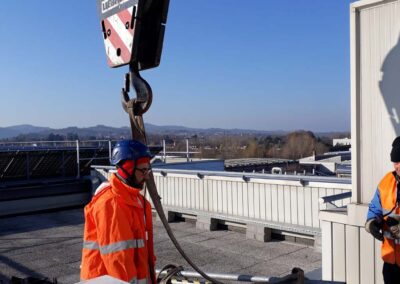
x=206, y=223
x=169, y=215
x=318, y=243
x=258, y=232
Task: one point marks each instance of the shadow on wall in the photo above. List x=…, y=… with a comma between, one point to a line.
x=390, y=85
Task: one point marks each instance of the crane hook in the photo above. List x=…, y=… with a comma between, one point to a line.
x=144, y=95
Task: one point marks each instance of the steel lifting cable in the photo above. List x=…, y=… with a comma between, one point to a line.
x=136, y=108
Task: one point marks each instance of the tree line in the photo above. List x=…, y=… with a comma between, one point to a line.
x=294, y=145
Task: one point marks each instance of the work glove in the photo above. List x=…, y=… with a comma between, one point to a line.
x=374, y=227
x=394, y=226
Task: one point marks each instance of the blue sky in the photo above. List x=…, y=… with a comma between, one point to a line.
x=264, y=65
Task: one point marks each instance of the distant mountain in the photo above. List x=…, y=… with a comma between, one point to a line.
x=31, y=132
x=167, y=128
x=13, y=131
x=28, y=132
x=182, y=130
x=94, y=131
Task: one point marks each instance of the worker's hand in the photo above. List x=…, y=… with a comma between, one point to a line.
x=394, y=226
x=374, y=227
x=395, y=231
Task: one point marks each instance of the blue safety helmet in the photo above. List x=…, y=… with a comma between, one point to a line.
x=129, y=150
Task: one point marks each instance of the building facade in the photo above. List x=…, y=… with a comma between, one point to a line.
x=349, y=253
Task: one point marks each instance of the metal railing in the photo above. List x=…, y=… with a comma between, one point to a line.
x=332, y=198
x=187, y=153
x=32, y=145
x=19, y=155
x=282, y=202
x=78, y=146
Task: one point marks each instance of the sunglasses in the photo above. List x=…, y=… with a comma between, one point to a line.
x=144, y=170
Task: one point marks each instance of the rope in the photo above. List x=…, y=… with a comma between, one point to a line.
x=135, y=109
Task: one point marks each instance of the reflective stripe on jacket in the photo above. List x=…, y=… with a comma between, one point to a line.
x=118, y=237
x=388, y=197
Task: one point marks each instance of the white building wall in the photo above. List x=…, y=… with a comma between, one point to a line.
x=379, y=85
x=342, y=141
x=348, y=252
x=290, y=203
x=284, y=202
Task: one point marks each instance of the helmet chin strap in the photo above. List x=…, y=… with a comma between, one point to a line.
x=130, y=180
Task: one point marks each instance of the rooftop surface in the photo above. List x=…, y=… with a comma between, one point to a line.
x=49, y=245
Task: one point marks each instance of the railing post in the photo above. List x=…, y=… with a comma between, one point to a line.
x=77, y=159
x=63, y=162
x=109, y=150
x=164, y=152
x=187, y=150
x=27, y=166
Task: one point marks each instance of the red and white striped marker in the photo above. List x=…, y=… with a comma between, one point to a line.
x=118, y=29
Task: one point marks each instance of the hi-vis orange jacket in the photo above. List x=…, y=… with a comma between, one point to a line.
x=118, y=237
x=384, y=203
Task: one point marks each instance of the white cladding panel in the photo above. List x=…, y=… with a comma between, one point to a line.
x=350, y=254
x=339, y=252
x=327, y=250
x=378, y=91
x=260, y=200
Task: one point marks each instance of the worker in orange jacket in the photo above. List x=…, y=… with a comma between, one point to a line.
x=384, y=216
x=118, y=233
